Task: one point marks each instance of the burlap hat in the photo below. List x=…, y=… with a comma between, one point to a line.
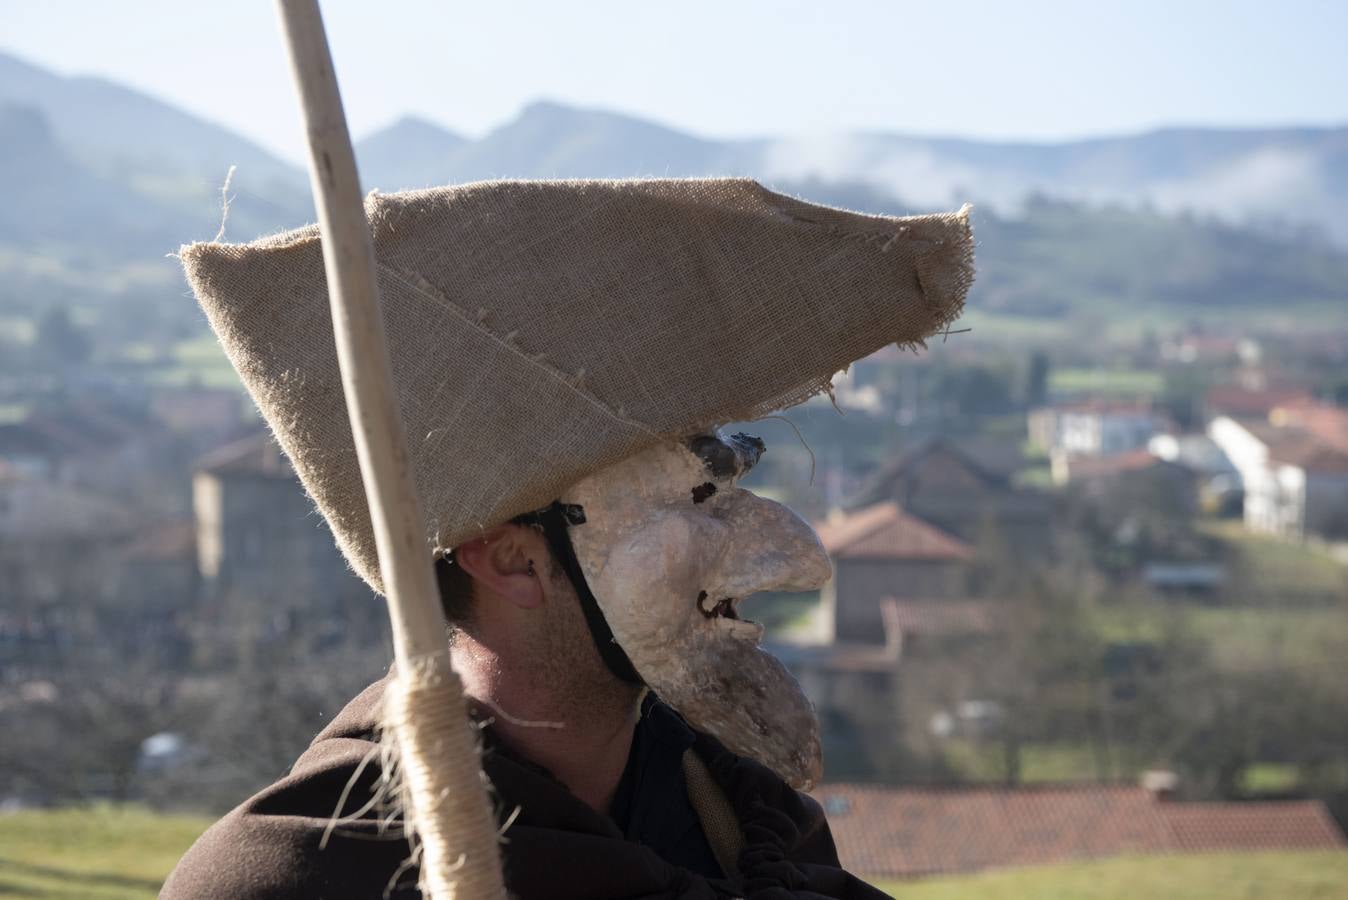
x=543, y=330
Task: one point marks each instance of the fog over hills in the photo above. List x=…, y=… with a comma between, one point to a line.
x=1292, y=176
x=1260, y=177
x=100, y=182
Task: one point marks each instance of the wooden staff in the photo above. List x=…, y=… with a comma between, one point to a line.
x=441, y=767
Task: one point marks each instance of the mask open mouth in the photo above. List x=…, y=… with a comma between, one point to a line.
x=721, y=609
x=726, y=612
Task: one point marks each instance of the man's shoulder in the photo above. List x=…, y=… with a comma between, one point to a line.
x=291, y=840
x=252, y=856
x=358, y=719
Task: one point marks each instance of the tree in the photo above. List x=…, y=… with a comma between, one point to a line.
x=974, y=390
x=78, y=737
x=59, y=340
x=1036, y=379
x=1042, y=666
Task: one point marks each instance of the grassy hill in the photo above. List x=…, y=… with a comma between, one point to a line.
x=1222, y=876
x=124, y=854
x=91, y=854
x=1061, y=268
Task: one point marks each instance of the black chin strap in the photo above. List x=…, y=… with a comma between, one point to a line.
x=555, y=521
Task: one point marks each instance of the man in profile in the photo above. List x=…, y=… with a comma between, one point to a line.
x=567, y=349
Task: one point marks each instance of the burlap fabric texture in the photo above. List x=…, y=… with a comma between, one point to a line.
x=543, y=330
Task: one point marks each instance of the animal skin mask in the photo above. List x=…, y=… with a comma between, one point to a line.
x=670, y=547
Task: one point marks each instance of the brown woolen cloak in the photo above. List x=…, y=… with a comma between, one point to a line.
x=557, y=848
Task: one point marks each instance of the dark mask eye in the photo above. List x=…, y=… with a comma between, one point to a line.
x=727, y=457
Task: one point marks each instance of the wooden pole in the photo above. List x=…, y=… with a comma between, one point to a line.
x=439, y=762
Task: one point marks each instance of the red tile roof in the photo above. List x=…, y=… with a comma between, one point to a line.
x=1328, y=423
x=1234, y=400
x=909, y=832
x=1117, y=464
x=1294, y=446
x=1299, y=825
x=884, y=531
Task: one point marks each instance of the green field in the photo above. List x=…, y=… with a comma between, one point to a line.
x=1266, y=566
x=985, y=762
x=1115, y=382
x=124, y=854
x=1245, y=876
x=91, y=854
x=1285, y=602
x=200, y=361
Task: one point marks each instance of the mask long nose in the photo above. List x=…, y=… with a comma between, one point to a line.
x=769, y=548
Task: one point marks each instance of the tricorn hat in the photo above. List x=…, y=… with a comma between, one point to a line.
x=543, y=330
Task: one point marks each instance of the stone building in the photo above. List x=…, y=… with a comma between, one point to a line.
x=882, y=553
x=945, y=486
x=1093, y=428
x=261, y=546
x=889, y=570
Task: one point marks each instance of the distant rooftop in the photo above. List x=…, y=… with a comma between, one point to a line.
x=1328, y=423
x=1118, y=464
x=884, y=531
x=256, y=455
x=34, y=510
x=72, y=430
x=1298, y=447
x=1105, y=407
x=907, y=832
x=990, y=469
x=1235, y=400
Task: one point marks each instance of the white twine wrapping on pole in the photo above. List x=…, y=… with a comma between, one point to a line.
x=449, y=812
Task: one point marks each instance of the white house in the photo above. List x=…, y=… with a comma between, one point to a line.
x=1295, y=483
x=1094, y=428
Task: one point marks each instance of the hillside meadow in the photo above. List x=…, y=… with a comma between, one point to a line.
x=105, y=853
x=1218, y=876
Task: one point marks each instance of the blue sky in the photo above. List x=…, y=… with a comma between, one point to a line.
x=1028, y=69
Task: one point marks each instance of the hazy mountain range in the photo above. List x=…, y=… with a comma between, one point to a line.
x=1259, y=177
x=100, y=182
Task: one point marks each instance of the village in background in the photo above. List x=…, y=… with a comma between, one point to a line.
x=1090, y=547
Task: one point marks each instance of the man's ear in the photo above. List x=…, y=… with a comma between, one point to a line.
x=507, y=561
